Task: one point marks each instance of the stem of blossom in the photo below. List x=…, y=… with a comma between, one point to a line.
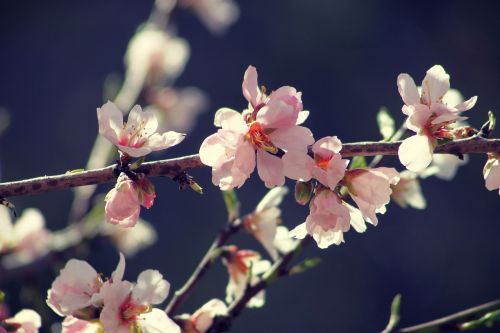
x=453, y=321
x=278, y=270
x=208, y=259
x=172, y=167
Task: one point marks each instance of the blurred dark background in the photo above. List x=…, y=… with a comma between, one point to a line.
x=344, y=56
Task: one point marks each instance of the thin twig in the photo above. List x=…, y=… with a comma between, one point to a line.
x=451, y=323
x=181, y=294
x=172, y=167
x=279, y=269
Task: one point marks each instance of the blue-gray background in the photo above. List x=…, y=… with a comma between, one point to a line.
x=344, y=56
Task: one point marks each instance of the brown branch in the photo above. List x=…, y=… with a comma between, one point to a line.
x=172, y=167
x=452, y=322
x=278, y=270
x=181, y=294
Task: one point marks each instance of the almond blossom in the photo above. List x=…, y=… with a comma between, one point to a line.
x=270, y=123
x=328, y=219
x=24, y=240
x=123, y=202
x=244, y=267
x=407, y=191
x=156, y=55
x=25, y=321
x=262, y=223
x=327, y=165
x=491, y=173
x=370, y=188
x=428, y=116
x=130, y=241
x=127, y=306
x=444, y=166
x=74, y=325
x=137, y=137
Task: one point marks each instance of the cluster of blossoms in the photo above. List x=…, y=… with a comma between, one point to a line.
x=90, y=303
x=268, y=135
x=135, y=138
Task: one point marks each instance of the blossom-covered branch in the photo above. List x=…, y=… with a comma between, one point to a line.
x=173, y=167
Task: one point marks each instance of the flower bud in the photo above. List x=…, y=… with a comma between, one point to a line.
x=303, y=192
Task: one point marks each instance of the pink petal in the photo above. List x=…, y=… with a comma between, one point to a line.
x=408, y=89
x=467, y=105
x=166, y=140
x=141, y=119
x=270, y=169
x=157, y=321
x=230, y=119
x=151, y=288
x=297, y=165
x=416, y=152
x=303, y=115
x=250, y=86
x=435, y=85
x=212, y=150
x=110, y=120
x=244, y=158
x=292, y=138
x=417, y=117
x=492, y=176
x=327, y=145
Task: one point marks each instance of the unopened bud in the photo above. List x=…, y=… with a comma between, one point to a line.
x=303, y=192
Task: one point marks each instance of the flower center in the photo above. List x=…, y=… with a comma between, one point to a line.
x=322, y=161
x=129, y=311
x=134, y=136
x=257, y=136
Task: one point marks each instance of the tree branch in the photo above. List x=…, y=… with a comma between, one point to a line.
x=172, y=167
x=181, y=294
x=452, y=322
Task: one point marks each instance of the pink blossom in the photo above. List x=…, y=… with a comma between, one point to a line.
x=137, y=137
x=371, y=189
x=407, y=191
x=263, y=222
x=78, y=286
x=27, y=321
x=428, y=116
x=127, y=306
x=203, y=318
x=328, y=219
x=123, y=202
x=24, y=240
x=491, y=173
x=327, y=166
x=270, y=123
x=239, y=263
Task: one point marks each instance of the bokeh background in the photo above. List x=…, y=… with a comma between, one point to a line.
x=344, y=56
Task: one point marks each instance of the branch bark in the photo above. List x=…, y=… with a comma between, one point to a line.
x=172, y=167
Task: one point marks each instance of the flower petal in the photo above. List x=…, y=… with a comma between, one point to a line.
x=166, y=140
x=416, y=152
x=292, y=138
x=435, y=85
x=110, y=120
x=151, y=288
x=408, y=89
x=250, y=87
x=270, y=169
x=297, y=165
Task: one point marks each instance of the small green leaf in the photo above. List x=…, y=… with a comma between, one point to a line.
x=75, y=171
x=492, y=120
x=303, y=192
x=386, y=123
x=137, y=163
x=358, y=162
x=487, y=320
x=395, y=314
x=2, y=296
x=305, y=265
x=232, y=204
x=196, y=187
